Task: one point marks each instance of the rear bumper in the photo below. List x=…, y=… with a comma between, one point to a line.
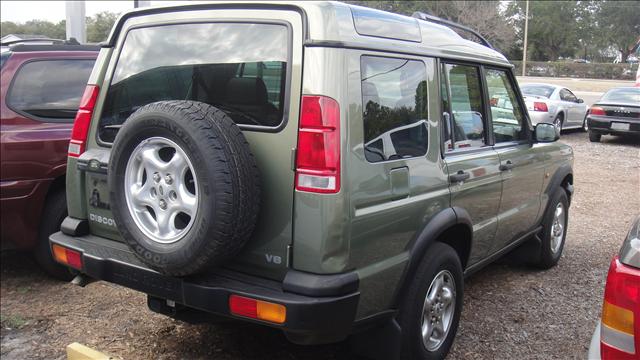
x=540, y=117
x=602, y=124
x=309, y=319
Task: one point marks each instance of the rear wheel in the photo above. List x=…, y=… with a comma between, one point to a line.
x=585, y=124
x=554, y=230
x=53, y=214
x=431, y=310
x=557, y=122
x=594, y=136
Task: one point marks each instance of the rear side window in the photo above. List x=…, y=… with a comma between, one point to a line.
x=394, y=101
x=462, y=104
x=239, y=68
x=49, y=90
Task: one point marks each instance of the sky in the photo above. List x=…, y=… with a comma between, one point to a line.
x=54, y=11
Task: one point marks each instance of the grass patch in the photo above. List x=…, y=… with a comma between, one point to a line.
x=12, y=321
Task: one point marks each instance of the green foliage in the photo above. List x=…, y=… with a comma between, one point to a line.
x=619, y=25
x=577, y=70
x=98, y=27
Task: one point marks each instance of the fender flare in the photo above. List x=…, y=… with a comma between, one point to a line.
x=556, y=182
x=558, y=176
x=437, y=225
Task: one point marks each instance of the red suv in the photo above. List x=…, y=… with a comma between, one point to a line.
x=41, y=90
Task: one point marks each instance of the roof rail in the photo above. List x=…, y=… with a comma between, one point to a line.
x=434, y=19
x=19, y=41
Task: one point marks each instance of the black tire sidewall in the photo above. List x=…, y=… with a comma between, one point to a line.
x=438, y=257
x=53, y=214
x=193, y=251
x=594, y=136
x=549, y=259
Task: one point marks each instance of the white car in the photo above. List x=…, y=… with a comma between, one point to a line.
x=554, y=104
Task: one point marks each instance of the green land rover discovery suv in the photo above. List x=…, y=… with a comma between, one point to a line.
x=320, y=168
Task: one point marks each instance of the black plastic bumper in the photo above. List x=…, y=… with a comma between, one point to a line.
x=309, y=319
x=602, y=124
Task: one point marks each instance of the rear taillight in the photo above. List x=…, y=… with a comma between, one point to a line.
x=596, y=111
x=620, y=313
x=318, y=153
x=540, y=106
x=257, y=309
x=67, y=256
x=82, y=122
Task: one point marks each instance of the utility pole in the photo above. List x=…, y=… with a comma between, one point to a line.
x=526, y=32
x=76, y=21
x=141, y=3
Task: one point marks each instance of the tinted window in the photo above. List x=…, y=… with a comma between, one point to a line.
x=537, y=90
x=4, y=57
x=238, y=68
x=50, y=89
x=567, y=95
x=506, y=114
x=394, y=98
x=625, y=95
x=462, y=100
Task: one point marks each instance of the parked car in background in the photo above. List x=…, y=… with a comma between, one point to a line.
x=554, y=104
x=616, y=113
x=40, y=93
x=617, y=335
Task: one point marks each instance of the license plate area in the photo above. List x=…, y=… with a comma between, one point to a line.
x=619, y=126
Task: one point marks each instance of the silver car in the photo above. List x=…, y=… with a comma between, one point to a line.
x=554, y=104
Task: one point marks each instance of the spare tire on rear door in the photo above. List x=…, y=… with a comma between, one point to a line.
x=184, y=186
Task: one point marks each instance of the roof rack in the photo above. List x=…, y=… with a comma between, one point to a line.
x=19, y=41
x=434, y=19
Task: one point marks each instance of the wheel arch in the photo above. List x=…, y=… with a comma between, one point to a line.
x=451, y=226
x=562, y=178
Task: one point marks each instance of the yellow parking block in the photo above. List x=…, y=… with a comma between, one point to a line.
x=77, y=351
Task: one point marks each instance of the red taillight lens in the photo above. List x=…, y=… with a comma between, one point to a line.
x=83, y=120
x=257, y=309
x=540, y=106
x=596, y=111
x=67, y=257
x=620, y=330
x=318, y=153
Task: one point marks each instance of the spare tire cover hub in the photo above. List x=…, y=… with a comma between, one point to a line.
x=162, y=197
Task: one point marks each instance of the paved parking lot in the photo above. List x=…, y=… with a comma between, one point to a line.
x=510, y=311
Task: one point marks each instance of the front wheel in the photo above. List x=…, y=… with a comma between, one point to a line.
x=431, y=309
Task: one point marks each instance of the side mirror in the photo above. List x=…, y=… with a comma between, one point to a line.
x=545, y=132
x=579, y=101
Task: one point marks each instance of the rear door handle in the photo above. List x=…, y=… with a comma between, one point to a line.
x=508, y=165
x=459, y=176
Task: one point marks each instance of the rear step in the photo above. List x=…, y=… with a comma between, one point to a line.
x=325, y=316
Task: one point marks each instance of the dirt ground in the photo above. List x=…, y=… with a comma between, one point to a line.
x=510, y=311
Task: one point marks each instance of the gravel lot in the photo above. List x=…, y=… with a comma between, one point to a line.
x=510, y=311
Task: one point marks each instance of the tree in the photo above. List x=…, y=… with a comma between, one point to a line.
x=99, y=26
x=619, y=25
x=484, y=17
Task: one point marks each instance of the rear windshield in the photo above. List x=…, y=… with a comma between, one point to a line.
x=239, y=68
x=49, y=90
x=624, y=95
x=537, y=90
x=4, y=56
